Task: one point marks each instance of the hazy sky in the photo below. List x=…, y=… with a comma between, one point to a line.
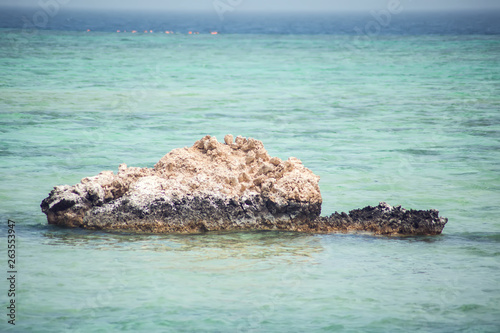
x=264, y=5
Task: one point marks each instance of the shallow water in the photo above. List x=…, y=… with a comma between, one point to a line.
x=411, y=120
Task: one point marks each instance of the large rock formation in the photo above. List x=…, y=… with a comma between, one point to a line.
x=209, y=186
x=219, y=186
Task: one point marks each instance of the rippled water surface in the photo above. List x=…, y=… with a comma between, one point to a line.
x=411, y=120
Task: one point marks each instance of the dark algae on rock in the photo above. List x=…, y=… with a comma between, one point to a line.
x=220, y=186
x=384, y=219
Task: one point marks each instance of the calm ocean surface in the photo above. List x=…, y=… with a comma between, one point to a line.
x=408, y=114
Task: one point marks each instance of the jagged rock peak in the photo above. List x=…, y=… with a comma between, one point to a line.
x=238, y=168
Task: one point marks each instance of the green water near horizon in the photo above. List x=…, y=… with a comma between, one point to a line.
x=410, y=120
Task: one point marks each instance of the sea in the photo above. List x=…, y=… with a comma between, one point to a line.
x=393, y=106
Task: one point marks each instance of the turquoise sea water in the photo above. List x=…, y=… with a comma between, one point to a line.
x=411, y=120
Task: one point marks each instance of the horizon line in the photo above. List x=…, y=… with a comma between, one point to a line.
x=252, y=11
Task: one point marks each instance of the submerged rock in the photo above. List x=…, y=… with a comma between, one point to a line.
x=383, y=219
x=219, y=186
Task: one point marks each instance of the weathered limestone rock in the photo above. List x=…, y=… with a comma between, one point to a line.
x=234, y=185
x=209, y=186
